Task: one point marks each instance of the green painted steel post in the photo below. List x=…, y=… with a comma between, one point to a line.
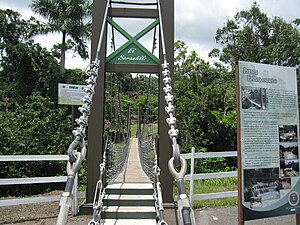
x=164, y=144
x=96, y=120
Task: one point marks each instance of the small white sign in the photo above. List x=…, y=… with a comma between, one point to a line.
x=70, y=94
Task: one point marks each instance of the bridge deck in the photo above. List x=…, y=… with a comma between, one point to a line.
x=133, y=172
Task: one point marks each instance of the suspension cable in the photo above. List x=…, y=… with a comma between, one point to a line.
x=75, y=157
x=120, y=119
x=146, y=120
x=148, y=160
x=100, y=189
x=169, y=98
x=158, y=196
x=185, y=212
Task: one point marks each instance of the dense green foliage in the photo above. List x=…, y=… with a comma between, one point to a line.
x=134, y=92
x=205, y=107
x=252, y=36
x=37, y=127
x=31, y=122
x=205, y=103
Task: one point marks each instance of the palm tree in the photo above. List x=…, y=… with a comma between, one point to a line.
x=67, y=17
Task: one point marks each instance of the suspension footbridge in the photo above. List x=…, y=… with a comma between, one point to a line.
x=124, y=173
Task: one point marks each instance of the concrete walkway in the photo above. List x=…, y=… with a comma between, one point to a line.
x=228, y=216
x=219, y=216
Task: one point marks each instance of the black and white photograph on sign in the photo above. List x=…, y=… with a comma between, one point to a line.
x=288, y=133
x=289, y=168
x=288, y=150
x=254, y=98
x=261, y=185
x=284, y=183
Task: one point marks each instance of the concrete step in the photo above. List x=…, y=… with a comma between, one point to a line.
x=128, y=212
x=128, y=200
x=129, y=222
x=130, y=189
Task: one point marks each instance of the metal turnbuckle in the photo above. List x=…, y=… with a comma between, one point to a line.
x=185, y=212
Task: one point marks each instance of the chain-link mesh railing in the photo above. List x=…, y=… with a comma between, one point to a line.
x=148, y=160
x=114, y=160
x=117, y=157
x=147, y=154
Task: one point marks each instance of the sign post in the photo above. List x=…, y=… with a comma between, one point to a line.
x=268, y=134
x=70, y=94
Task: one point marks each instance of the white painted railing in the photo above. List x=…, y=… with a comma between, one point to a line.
x=36, y=180
x=203, y=176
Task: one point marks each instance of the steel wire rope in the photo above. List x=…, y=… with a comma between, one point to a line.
x=113, y=46
x=145, y=149
x=185, y=212
x=146, y=120
x=117, y=155
x=75, y=157
x=147, y=152
x=100, y=188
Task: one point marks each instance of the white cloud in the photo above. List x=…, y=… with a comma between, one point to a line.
x=195, y=21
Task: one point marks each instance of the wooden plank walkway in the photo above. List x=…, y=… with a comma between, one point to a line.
x=133, y=172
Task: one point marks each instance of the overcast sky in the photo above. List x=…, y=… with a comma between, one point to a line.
x=196, y=21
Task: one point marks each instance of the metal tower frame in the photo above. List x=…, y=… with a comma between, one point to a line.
x=96, y=120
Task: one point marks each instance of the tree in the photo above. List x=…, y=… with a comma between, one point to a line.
x=204, y=102
x=252, y=36
x=69, y=18
x=30, y=119
x=15, y=30
x=25, y=67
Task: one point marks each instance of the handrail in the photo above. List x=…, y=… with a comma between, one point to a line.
x=32, y=180
x=35, y=180
x=31, y=158
x=204, y=155
x=202, y=176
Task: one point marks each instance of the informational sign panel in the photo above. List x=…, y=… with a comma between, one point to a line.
x=269, y=146
x=70, y=94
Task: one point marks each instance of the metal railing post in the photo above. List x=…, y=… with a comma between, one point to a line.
x=75, y=196
x=192, y=175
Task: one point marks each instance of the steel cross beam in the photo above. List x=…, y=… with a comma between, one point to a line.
x=133, y=40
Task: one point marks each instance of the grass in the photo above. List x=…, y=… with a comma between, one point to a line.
x=213, y=186
x=133, y=129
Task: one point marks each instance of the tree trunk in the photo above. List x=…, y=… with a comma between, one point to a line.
x=63, y=52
